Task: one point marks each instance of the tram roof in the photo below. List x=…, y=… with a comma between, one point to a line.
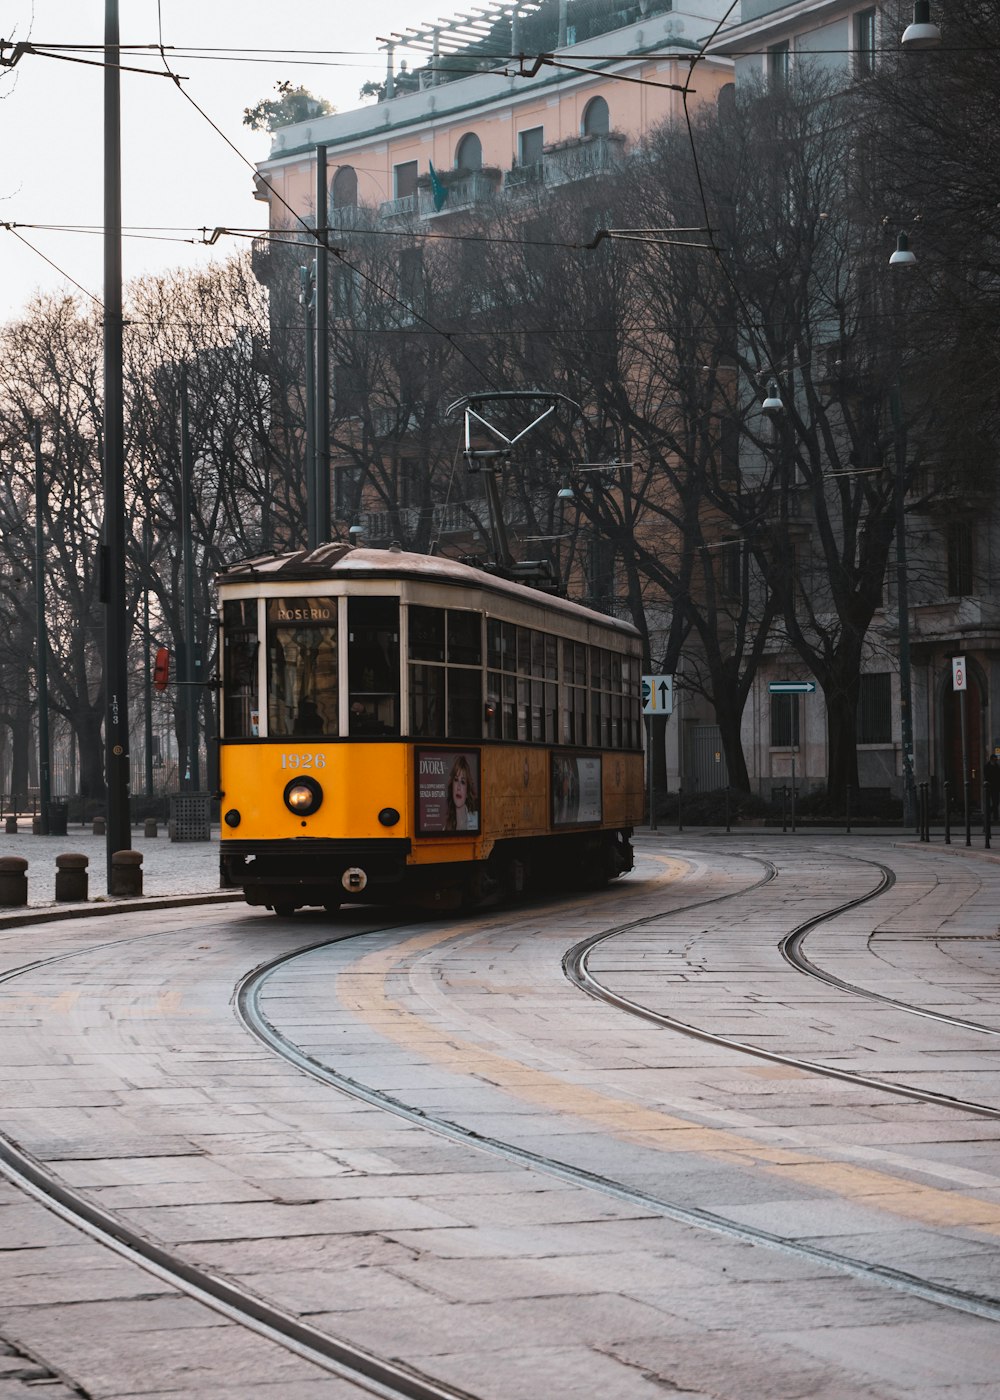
x=338, y=561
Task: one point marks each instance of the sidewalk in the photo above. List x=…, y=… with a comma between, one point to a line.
x=168, y=867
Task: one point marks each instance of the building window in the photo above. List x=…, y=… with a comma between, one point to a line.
x=469, y=153
x=960, y=584
x=529, y=145
x=875, y=709
x=784, y=721
x=411, y=276
x=596, y=118
x=778, y=59
x=864, y=43
x=404, y=179
x=344, y=191
x=730, y=569
x=347, y=484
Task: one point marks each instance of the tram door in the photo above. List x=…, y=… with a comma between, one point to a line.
x=974, y=740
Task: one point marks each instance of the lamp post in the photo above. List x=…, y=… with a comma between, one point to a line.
x=41, y=641
x=116, y=729
x=902, y=258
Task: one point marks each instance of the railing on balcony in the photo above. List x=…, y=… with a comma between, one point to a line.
x=398, y=208
x=466, y=193
x=456, y=518
x=524, y=176
x=593, y=155
x=350, y=216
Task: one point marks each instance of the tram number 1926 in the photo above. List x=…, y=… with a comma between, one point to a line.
x=303, y=760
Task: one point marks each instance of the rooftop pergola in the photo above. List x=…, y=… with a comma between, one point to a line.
x=448, y=36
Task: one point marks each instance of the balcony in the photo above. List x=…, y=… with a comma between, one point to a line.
x=583, y=158
x=457, y=518
x=403, y=208
x=467, y=191
x=522, y=177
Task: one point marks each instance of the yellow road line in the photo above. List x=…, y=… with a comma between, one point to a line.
x=363, y=990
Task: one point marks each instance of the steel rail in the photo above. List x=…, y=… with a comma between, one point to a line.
x=248, y=996
x=576, y=969
x=391, y=1380
x=792, y=951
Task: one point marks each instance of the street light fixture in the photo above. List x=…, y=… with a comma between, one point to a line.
x=902, y=257
x=921, y=34
x=772, y=405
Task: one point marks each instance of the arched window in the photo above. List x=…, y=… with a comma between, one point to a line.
x=469, y=153
x=596, y=118
x=344, y=193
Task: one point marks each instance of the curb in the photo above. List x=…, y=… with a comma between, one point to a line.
x=55, y=912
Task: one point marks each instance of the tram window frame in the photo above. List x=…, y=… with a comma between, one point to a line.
x=449, y=642
x=293, y=621
x=240, y=669
x=373, y=673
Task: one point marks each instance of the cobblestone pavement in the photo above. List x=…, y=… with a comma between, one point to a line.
x=168, y=867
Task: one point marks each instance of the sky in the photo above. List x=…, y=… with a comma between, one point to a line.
x=178, y=174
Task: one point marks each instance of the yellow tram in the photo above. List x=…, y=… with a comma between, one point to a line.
x=396, y=726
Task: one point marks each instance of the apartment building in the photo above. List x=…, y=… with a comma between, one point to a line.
x=951, y=535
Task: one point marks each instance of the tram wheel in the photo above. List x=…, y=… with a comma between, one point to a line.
x=284, y=911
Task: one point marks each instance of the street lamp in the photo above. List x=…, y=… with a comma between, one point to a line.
x=921, y=34
x=772, y=405
x=902, y=257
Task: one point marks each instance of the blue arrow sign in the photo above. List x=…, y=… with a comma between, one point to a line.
x=792, y=687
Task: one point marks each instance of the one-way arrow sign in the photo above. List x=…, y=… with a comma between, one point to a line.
x=792, y=687
x=657, y=695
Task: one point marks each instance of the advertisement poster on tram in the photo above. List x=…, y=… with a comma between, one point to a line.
x=576, y=789
x=448, y=791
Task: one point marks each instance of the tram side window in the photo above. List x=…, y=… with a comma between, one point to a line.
x=446, y=676
x=240, y=646
x=373, y=666
x=574, y=693
x=302, y=666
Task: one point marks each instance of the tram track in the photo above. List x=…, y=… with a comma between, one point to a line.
x=248, y=1003
x=388, y=1378
x=373, y=1374
x=575, y=965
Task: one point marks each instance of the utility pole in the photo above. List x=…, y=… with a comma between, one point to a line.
x=306, y=297
x=41, y=641
x=147, y=680
x=322, y=352
x=116, y=754
x=192, y=775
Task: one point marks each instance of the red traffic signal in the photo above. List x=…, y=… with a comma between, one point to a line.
x=161, y=669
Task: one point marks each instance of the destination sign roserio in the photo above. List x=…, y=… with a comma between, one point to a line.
x=657, y=695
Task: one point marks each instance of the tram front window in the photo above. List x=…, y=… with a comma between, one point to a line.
x=239, y=622
x=373, y=666
x=302, y=666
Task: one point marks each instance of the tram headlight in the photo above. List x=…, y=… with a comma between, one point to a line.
x=303, y=796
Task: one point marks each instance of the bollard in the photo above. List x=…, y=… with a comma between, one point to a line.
x=99, y=828
x=36, y=826
x=847, y=807
x=71, y=878
x=126, y=873
x=947, y=813
x=11, y=826
x=13, y=880
x=150, y=827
